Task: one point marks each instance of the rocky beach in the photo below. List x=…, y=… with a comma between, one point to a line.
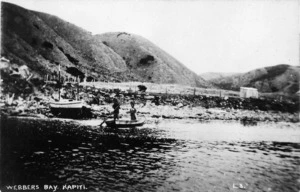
x=159, y=106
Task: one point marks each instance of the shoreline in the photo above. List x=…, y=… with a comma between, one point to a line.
x=201, y=113
x=151, y=111
x=158, y=106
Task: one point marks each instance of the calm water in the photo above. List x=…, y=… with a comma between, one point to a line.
x=165, y=156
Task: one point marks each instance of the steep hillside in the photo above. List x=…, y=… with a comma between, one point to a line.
x=41, y=42
x=149, y=62
x=211, y=75
x=279, y=78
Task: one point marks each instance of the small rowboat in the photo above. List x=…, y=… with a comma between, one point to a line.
x=124, y=123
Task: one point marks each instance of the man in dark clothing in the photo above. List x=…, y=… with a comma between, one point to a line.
x=116, y=107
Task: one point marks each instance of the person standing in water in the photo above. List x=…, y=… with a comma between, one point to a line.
x=116, y=107
x=132, y=111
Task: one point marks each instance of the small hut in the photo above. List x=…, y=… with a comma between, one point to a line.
x=246, y=92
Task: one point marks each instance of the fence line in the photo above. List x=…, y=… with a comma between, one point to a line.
x=163, y=88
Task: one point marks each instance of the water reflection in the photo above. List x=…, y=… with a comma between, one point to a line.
x=180, y=156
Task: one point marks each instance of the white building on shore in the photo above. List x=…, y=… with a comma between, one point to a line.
x=247, y=92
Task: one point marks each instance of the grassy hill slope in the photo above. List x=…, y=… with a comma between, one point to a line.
x=277, y=79
x=41, y=42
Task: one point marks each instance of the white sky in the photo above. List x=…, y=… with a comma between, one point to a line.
x=206, y=36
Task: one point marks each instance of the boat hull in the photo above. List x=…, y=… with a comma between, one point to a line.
x=124, y=123
x=71, y=109
x=67, y=105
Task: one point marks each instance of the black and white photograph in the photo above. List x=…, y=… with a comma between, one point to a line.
x=150, y=96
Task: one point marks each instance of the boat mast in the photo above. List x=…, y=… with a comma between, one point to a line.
x=59, y=82
x=77, y=95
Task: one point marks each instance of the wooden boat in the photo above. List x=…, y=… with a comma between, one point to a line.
x=124, y=123
x=69, y=109
x=67, y=104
